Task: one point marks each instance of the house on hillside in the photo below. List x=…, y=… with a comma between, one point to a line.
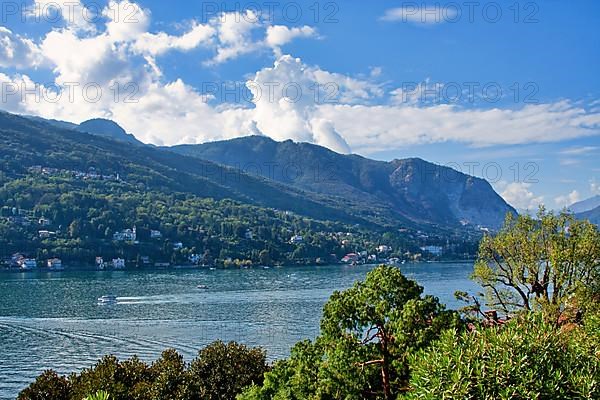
x=126, y=235
x=44, y=234
x=350, y=258
x=435, y=250
x=44, y=222
x=383, y=249
x=296, y=239
x=55, y=264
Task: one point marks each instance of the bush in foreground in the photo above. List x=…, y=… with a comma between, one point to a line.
x=220, y=371
x=526, y=358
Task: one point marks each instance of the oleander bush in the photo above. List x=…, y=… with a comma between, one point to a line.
x=527, y=358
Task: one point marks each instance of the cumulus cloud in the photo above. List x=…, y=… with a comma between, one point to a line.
x=74, y=13
x=289, y=109
x=235, y=35
x=17, y=51
x=568, y=199
x=279, y=35
x=126, y=20
x=291, y=99
x=155, y=44
x=325, y=134
x=239, y=33
x=519, y=195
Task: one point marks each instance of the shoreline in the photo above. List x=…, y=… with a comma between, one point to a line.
x=68, y=269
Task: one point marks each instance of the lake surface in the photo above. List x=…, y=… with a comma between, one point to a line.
x=52, y=320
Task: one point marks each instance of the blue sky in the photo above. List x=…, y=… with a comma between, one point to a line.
x=504, y=90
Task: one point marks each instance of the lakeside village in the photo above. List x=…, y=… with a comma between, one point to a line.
x=132, y=248
x=23, y=262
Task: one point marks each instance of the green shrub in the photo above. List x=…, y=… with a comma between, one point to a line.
x=221, y=371
x=49, y=385
x=525, y=359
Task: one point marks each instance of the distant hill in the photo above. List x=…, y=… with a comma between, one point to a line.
x=300, y=177
x=585, y=205
x=591, y=215
x=96, y=126
x=107, y=128
x=26, y=142
x=415, y=189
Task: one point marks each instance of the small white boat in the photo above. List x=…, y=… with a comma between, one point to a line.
x=202, y=287
x=107, y=299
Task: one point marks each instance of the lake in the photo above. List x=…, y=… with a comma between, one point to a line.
x=52, y=320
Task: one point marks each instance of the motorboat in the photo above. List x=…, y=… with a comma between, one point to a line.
x=202, y=287
x=107, y=299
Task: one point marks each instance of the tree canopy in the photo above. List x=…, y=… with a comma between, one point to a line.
x=367, y=332
x=543, y=262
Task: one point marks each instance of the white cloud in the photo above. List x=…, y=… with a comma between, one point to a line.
x=421, y=14
x=279, y=35
x=159, y=43
x=325, y=134
x=519, y=195
x=567, y=162
x=333, y=109
x=379, y=128
x=579, y=150
x=76, y=16
x=568, y=199
x=126, y=20
x=17, y=51
x=290, y=110
x=234, y=32
x=236, y=35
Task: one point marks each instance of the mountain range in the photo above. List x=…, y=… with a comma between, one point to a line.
x=585, y=205
x=300, y=177
x=415, y=189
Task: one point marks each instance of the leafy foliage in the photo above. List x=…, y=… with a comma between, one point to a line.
x=539, y=263
x=222, y=371
x=219, y=372
x=99, y=395
x=367, y=333
x=527, y=358
x=49, y=385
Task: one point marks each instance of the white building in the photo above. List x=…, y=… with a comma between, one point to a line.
x=296, y=239
x=435, y=250
x=383, y=248
x=126, y=235
x=118, y=263
x=55, y=264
